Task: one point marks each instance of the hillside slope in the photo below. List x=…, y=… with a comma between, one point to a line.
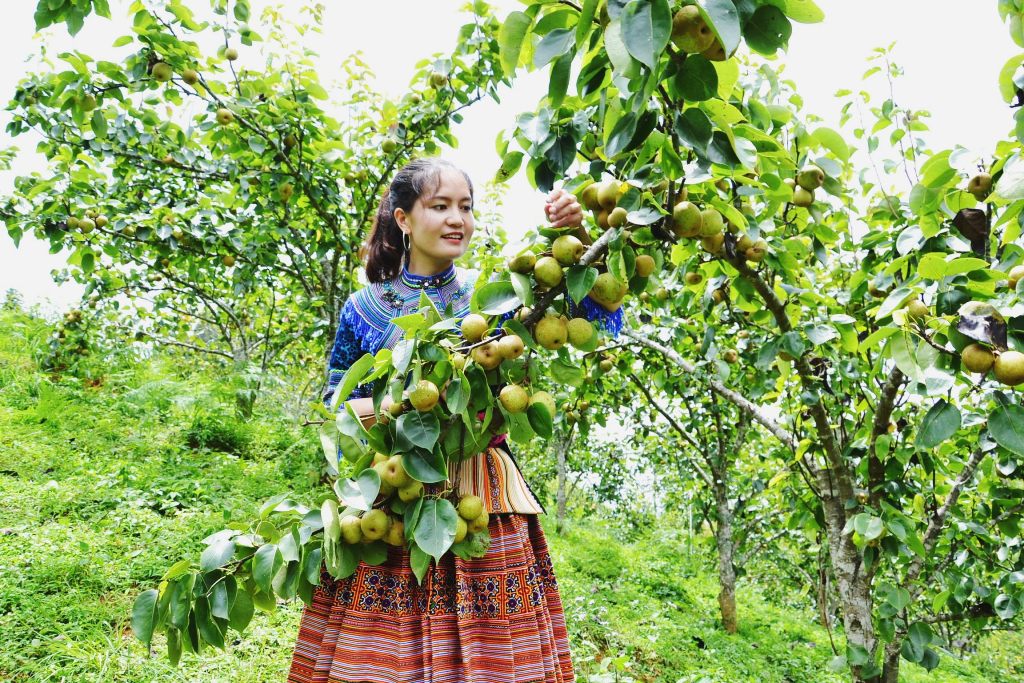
x=106, y=483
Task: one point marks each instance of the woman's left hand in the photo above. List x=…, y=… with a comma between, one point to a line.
x=562, y=209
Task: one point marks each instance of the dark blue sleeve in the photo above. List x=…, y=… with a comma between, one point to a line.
x=346, y=351
x=610, y=321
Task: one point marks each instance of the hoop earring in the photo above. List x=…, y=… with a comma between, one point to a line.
x=406, y=242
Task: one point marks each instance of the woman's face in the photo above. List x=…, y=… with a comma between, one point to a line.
x=439, y=225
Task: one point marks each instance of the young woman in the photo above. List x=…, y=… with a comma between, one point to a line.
x=494, y=619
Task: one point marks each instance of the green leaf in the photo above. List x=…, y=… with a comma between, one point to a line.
x=693, y=128
x=559, y=83
x=803, y=11
x=868, y=526
x=724, y=20
x=353, y=377
x=143, y=614
x=554, y=44
x=496, y=298
x=217, y=555
x=418, y=430
x=621, y=135
x=435, y=529
x=360, y=491
x=425, y=466
x=99, y=124
x=265, y=564
x=419, y=561
x=579, y=280
x=564, y=372
x=1006, y=424
x=767, y=30
x=540, y=420
x=208, y=627
x=242, y=609
x=219, y=600
x=698, y=79
x=941, y=422
x=831, y=140
x=587, y=11
x=646, y=28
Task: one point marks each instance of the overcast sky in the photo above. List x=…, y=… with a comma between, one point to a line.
x=951, y=51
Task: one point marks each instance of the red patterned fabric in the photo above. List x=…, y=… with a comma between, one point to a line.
x=494, y=619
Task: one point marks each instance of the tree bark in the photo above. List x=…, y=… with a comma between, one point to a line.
x=726, y=551
x=560, y=496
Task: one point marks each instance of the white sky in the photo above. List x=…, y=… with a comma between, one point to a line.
x=951, y=54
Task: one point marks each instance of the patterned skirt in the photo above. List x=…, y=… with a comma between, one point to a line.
x=493, y=619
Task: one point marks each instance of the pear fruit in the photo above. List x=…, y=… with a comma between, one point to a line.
x=438, y=79
x=514, y=398
x=523, y=263
x=396, y=533
x=411, y=491
x=548, y=272
x=713, y=244
x=644, y=265
x=588, y=197
x=756, y=251
x=730, y=356
x=1008, y=368
x=711, y=223
x=285, y=191
x=608, y=194
x=810, y=177
x=511, y=346
x=579, y=332
x=917, y=310
x=388, y=146
x=458, y=361
x=231, y=54
x=461, y=529
x=394, y=472
x=374, y=524
x=567, y=249
x=744, y=242
x=608, y=291
x=479, y=523
x=551, y=332
x=424, y=395
x=224, y=116
x=190, y=76
x=693, y=278
x=977, y=358
x=228, y=260
x=686, y=219
x=470, y=507
x=487, y=356
x=715, y=53
x=162, y=72
x=351, y=529
x=473, y=327
x=86, y=225
x=617, y=217
x=980, y=185
x=1015, y=275
x=606, y=365
x=802, y=196
x=546, y=400
x=690, y=33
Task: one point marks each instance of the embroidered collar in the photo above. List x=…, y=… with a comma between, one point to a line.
x=434, y=281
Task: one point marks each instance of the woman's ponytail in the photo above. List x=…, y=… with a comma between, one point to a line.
x=384, y=250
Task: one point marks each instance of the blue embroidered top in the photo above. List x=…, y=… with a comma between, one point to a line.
x=364, y=325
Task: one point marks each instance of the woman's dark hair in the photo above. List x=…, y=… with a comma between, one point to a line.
x=383, y=249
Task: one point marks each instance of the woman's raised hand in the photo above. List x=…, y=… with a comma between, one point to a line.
x=562, y=209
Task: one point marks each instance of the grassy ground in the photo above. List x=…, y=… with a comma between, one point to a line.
x=104, y=484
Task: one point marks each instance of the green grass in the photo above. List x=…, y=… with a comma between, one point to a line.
x=104, y=484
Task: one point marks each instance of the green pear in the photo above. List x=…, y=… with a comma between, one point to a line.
x=546, y=400
x=374, y=524
x=810, y=177
x=523, y=263
x=567, y=249
x=977, y=358
x=645, y=265
x=1008, y=369
x=514, y=398
x=548, y=272
x=711, y=223
x=617, y=217
x=511, y=346
x=473, y=327
x=470, y=507
x=802, y=196
x=351, y=530
x=411, y=491
x=608, y=194
x=690, y=33
x=579, y=331
x=488, y=356
x=551, y=332
x=608, y=291
x=980, y=185
x=686, y=219
x=1015, y=275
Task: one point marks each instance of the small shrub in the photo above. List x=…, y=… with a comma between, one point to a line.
x=218, y=433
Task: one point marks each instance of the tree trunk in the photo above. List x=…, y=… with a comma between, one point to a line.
x=853, y=583
x=726, y=548
x=891, y=666
x=726, y=544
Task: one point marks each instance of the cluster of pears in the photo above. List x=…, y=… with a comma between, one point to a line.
x=163, y=72
x=602, y=199
x=690, y=221
x=691, y=33
x=806, y=182
x=87, y=222
x=1006, y=366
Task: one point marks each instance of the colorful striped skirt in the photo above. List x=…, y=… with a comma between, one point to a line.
x=493, y=619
